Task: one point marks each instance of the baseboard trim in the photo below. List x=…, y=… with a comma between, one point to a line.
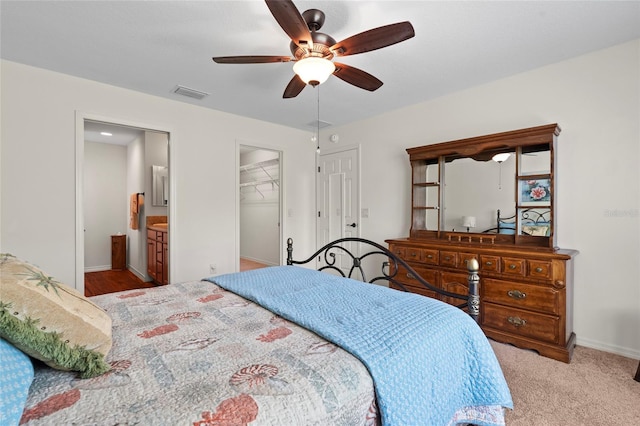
x=618, y=350
x=98, y=268
x=264, y=262
x=143, y=277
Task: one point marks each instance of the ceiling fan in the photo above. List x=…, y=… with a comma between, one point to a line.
x=313, y=51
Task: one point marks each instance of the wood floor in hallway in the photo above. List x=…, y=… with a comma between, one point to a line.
x=111, y=281
x=248, y=264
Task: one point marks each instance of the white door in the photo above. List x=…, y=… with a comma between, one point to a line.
x=338, y=198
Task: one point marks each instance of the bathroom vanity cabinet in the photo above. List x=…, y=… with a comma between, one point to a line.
x=158, y=254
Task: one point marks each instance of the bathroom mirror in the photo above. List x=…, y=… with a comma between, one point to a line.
x=160, y=196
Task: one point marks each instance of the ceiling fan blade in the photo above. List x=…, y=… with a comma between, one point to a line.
x=250, y=59
x=294, y=87
x=373, y=39
x=357, y=77
x=289, y=18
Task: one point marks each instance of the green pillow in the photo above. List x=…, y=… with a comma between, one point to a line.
x=50, y=321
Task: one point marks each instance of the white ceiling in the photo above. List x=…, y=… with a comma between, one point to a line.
x=119, y=135
x=153, y=46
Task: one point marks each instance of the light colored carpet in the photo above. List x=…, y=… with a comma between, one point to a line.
x=596, y=388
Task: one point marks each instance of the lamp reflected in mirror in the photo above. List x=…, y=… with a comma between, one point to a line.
x=469, y=222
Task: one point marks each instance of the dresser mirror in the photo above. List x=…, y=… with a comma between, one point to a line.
x=495, y=189
x=474, y=190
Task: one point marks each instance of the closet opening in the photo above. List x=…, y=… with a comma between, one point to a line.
x=259, y=207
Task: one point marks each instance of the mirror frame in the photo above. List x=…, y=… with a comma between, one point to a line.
x=533, y=139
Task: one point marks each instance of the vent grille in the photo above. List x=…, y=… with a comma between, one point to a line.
x=318, y=123
x=190, y=93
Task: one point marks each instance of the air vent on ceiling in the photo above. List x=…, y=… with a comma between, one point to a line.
x=318, y=124
x=191, y=93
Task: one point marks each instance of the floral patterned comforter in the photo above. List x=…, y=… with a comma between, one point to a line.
x=195, y=354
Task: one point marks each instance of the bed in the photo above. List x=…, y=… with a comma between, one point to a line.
x=283, y=345
x=533, y=221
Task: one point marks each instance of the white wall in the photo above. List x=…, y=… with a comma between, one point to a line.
x=136, y=238
x=595, y=99
x=39, y=184
x=105, y=202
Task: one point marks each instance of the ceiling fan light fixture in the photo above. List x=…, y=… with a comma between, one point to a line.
x=499, y=158
x=314, y=70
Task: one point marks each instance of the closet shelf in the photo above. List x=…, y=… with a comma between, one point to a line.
x=259, y=165
x=260, y=182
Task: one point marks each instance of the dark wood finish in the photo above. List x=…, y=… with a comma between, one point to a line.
x=96, y=283
x=481, y=148
x=526, y=282
x=118, y=252
x=526, y=295
x=158, y=255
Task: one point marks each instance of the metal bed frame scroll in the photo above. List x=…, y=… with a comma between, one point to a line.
x=389, y=269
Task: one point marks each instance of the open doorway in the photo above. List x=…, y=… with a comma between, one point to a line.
x=259, y=207
x=117, y=168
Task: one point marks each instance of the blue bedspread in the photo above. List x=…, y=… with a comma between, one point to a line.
x=427, y=359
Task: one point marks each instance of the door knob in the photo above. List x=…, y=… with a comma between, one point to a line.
x=353, y=225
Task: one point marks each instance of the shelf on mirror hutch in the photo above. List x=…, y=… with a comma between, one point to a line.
x=492, y=198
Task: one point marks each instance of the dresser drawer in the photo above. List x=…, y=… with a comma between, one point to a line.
x=489, y=263
x=540, y=269
x=522, y=323
x=514, y=266
x=466, y=257
x=399, y=251
x=449, y=258
x=413, y=285
x=412, y=254
x=519, y=295
x=430, y=256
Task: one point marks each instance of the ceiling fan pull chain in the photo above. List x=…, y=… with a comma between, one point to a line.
x=318, y=122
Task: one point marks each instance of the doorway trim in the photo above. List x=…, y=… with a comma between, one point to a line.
x=281, y=201
x=331, y=151
x=80, y=118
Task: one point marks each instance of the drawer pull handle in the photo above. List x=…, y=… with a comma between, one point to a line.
x=447, y=258
x=512, y=266
x=516, y=294
x=517, y=322
x=410, y=276
x=413, y=254
x=488, y=263
x=429, y=256
x=538, y=269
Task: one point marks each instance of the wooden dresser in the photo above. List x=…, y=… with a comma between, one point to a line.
x=526, y=296
x=526, y=281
